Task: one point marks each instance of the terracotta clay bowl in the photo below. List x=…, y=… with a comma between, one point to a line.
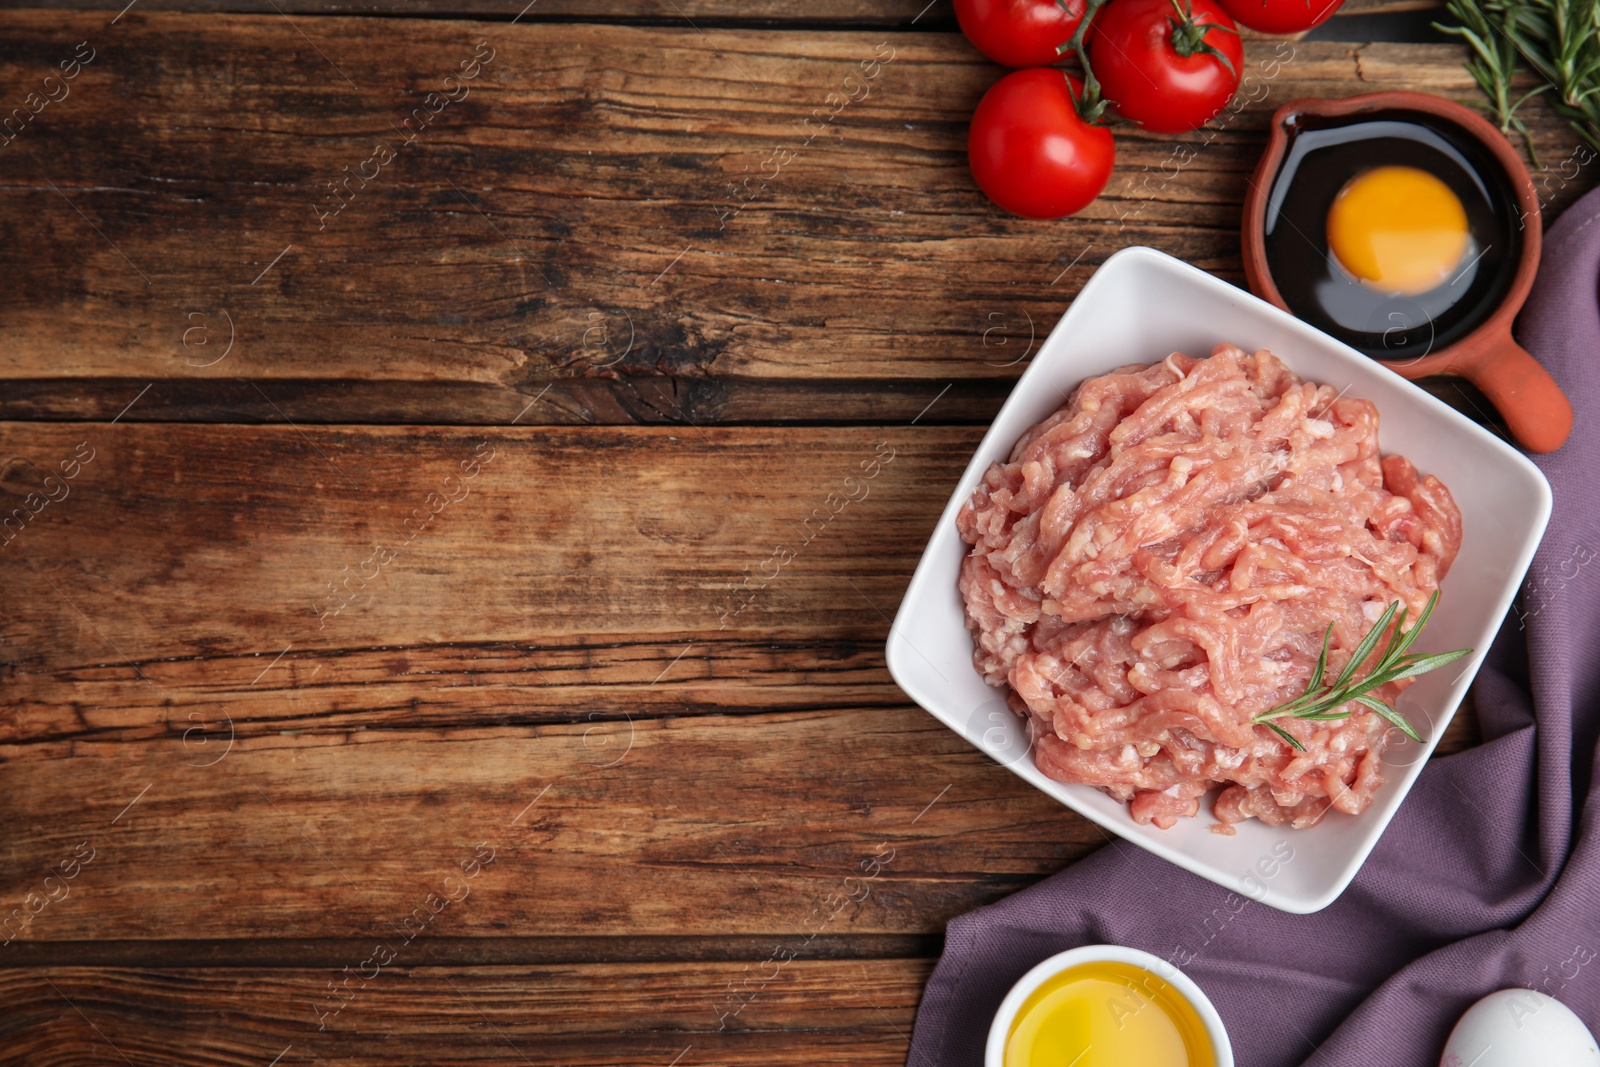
x=1533, y=405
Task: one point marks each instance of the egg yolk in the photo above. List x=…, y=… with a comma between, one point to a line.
x=1398, y=229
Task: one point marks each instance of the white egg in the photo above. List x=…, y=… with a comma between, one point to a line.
x=1519, y=1028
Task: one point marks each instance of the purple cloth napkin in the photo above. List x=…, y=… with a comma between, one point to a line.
x=1489, y=876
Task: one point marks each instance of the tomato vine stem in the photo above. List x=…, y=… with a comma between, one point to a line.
x=1091, y=107
x=1189, y=36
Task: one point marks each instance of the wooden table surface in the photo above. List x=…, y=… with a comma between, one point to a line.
x=390, y=671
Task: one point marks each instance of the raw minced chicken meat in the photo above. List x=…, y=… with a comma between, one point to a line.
x=1158, y=562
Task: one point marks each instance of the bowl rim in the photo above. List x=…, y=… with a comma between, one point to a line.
x=929, y=574
x=1044, y=970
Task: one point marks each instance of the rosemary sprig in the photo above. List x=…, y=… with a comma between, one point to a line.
x=1324, y=700
x=1558, y=39
x=1493, y=62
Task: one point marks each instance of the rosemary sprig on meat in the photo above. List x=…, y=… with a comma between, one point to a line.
x=1325, y=700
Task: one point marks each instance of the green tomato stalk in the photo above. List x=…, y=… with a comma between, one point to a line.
x=1091, y=107
x=1189, y=37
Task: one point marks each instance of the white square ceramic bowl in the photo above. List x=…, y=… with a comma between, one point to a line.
x=1140, y=306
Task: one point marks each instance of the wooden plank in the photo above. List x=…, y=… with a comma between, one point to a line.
x=568, y=588
x=581, y=402
x=539, y=667
x=175, y=545
x=872, y=821
x=886, y=13
x=500, y=950
x=283, y=574
x=859, y=821
x=755, y=1012
x=897, y=14
x=595, y=234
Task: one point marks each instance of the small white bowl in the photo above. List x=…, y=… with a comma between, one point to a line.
x=994, y=1053
x=1140, y=306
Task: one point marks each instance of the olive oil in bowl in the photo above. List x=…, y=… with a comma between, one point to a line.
x=1107, y=1014
x=1106, y=1006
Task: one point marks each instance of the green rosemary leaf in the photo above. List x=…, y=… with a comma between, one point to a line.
x=1493, y=59
x=1323, y=701
x=1397, y=636
x=1392, y=715
x=1368, y=643
x=1559, y=40
x=1405, y=643
x=1286, y=735
x=1322, y=661
x=1415, y=666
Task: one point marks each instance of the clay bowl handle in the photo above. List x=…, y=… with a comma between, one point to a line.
x=1533, y=405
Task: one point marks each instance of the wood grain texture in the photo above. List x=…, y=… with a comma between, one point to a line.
x=540, y=667
x=176, y=544
x=892, y=14
x=500, y=950
x=760, y=824
x=649, y=1015
x=557, y=628
x=631, y=224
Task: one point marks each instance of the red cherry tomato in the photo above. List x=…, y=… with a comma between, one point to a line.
x=1020, y=33
x=1031, y=152
x=1169, y=65
x=1281, y=16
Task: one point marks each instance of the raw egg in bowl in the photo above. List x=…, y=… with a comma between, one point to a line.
x=1400, y=231
x=1406, y=226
